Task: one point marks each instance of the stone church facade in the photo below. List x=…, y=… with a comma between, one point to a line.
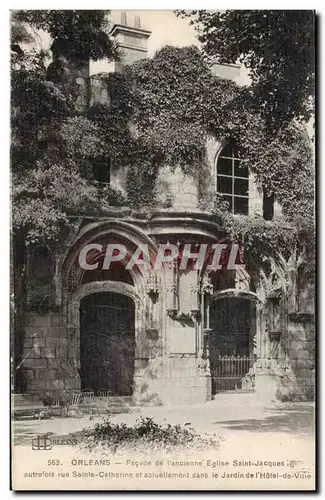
x=171, y=336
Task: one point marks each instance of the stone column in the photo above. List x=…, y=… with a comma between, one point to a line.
x=185, y=376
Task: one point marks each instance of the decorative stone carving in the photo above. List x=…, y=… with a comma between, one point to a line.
x=152, y=287
x=171, y=287
x=277, y=282
x=152, y=290
x=207, y=286
x=195, y=289
x=183, y=318
x=73, y=278
x=195, y=298
x=274, y=336
x=172, y=264
x=242, y=279
x=171, y=298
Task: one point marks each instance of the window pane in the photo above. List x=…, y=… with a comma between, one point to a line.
x=224, y=184
x=241, y=187
x=241, y=206
x=241, y=168
x=237, y=151
x=227, y=150
x=224, y=166
x=229, y=200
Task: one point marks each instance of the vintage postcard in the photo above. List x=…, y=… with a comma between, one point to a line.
x=163, y=250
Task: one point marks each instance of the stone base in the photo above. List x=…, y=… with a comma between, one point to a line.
x=284, y=380
x=266, y=387
x=171, y=381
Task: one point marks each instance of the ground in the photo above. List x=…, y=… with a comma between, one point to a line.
x=228, y=415
x=249, y=430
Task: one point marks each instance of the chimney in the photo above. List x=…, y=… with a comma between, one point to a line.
x=131, y=38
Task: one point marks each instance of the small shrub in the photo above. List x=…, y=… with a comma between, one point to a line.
x=146, y=436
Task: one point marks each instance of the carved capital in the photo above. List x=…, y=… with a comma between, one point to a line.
x=195, y=289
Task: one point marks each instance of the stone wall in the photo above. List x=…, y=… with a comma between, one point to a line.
x=172, y=380
x=170, y=367
x=177, y=190
x=299, y=384
x=99, y=94
x=51, y=353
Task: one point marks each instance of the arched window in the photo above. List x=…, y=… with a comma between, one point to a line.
x=232, y=179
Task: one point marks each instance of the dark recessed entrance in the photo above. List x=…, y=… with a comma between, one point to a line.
x=231, y=343
x=107, y=342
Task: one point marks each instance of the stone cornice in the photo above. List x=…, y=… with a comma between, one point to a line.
x=162, y=223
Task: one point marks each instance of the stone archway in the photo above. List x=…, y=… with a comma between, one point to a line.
x=78, y=283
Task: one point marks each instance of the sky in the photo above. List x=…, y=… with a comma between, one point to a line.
x=166, y=29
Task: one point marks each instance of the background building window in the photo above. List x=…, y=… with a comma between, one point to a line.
x=268, y=205
x=232, y=179
x=101, y=171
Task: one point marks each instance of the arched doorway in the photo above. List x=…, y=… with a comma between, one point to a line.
x=107, y=342
x=232, y=343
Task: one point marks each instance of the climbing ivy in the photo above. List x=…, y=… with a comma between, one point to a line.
x=161, y=112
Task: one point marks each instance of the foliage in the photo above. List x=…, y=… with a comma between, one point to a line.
x=53, y=147
x=145, y=436
x=261, y=238
x=19, y=33
x=83, y=34
x=278, y=47
x=161, y=112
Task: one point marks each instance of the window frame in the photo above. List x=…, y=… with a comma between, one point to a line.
x=233, y=177
x=102, y=161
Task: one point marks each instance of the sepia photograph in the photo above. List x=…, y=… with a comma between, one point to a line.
x=163, y=248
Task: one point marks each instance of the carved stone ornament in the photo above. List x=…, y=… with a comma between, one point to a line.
x=195, y=289
x=274, y=336
x=242, y=279
x=152, y=287
x=171, y=287
x=207, y=286
x=172, y=264
x=73, y=278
